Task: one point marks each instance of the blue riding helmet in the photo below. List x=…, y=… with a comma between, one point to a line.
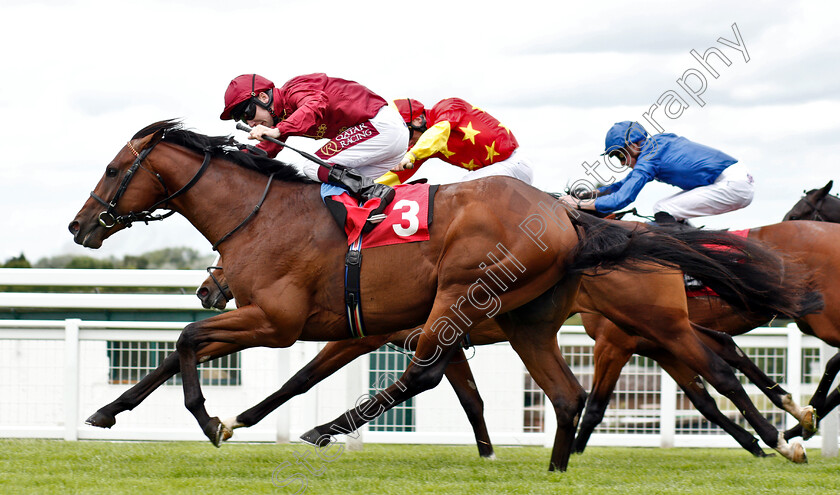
x=622, y=134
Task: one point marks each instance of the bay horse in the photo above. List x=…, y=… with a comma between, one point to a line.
x=812, y=245
x=286, y=267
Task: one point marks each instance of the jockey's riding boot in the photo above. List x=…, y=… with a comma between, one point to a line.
x=664, y=218
x=361, y=187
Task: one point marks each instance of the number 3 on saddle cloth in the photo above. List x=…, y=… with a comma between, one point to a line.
x=694, y=287
x=406, y=219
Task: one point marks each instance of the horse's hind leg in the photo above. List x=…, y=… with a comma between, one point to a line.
x=690, y=350
x=822, y=401
x=724, y=346
x=541, y=356
x=434, y=350
x=460, y=376
x=694, y=390
x=105, y=417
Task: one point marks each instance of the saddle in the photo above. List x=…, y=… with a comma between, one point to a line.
x=405, y=219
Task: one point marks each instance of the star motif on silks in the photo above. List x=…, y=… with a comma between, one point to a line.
x=504, y=127
x=445, y=152
x=469, y=132
x=478, y=108
x=491, y=152
x=470, y=166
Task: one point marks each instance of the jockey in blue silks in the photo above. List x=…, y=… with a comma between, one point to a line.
x=712, y=182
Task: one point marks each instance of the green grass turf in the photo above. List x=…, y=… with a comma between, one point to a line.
x=44, y=466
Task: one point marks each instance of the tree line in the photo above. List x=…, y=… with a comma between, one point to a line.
x=177, y=258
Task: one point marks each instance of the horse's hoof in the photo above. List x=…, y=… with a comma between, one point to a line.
x=227, y=433
x=491, y=457
x=214, y=431
x=798, y=455
x=101, y=420
x=809, y=420
x=313, y=437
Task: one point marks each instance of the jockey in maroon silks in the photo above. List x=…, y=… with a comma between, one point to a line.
x=367, y=137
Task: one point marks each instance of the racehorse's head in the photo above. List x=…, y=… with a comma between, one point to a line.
x=214, y=292
x=816, y=205
x=128, y=190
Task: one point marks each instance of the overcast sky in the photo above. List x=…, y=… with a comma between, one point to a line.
x=81, y=77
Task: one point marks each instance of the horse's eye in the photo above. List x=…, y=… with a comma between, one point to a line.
x=111, y=172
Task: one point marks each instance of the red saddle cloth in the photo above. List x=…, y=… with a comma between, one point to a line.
x=407, y=218
x=702, y=290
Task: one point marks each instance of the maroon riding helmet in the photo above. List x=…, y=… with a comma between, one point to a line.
x=245, y=88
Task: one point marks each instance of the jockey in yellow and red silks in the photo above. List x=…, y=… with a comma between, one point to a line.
x=459, y=134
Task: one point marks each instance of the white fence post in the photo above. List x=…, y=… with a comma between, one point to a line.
x=828, y=425
x=356, y=387
x=794, y=368
x=71, y=378
x=668, y=410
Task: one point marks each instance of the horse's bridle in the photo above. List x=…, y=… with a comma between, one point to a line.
x=109, y=218
x=815, y=207
x=223, y=289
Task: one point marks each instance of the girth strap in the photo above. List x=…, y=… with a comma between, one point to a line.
x=352, y=289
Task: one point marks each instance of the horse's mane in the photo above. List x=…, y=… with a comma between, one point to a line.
x=172, y=131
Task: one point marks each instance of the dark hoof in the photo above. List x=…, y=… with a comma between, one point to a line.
x=313, y=437
x=213, y=430
x=101, y=420
x=762, y=453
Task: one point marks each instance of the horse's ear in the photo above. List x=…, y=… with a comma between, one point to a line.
x=828, y=186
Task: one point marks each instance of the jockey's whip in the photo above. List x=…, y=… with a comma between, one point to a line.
x=246, y=128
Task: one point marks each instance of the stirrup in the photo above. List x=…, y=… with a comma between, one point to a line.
x=385, y=194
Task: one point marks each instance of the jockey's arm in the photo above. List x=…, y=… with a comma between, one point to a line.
x=430, y=142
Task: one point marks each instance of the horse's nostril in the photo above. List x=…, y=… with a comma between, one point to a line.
x=203, y=291
x=73, y=227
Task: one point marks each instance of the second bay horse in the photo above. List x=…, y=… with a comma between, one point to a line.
x=812, y=245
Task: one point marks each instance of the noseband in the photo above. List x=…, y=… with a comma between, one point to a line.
x=109, y=218
x=223, y=289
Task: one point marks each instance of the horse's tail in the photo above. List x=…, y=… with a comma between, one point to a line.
x=745, y=274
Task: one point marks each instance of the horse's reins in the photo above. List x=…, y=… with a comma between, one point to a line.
x=109, y=217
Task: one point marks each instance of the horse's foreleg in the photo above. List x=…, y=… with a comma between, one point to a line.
x=724, y=346
x=105, y=417
x=245, y=327
x=332, y=357
x=609, y=361
x=460, y=377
